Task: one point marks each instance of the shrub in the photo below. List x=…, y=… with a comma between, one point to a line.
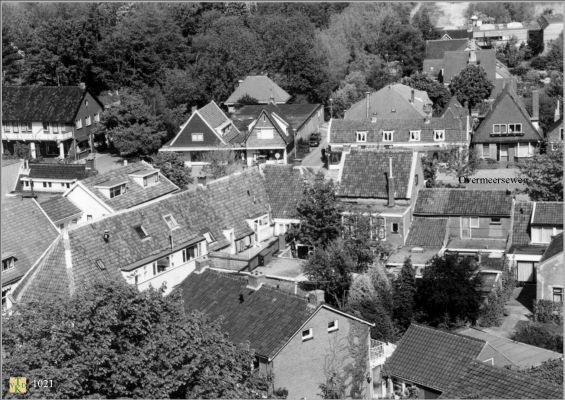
x=538, y=63
x=548, y=311
x=539, y=335
x=519, y=70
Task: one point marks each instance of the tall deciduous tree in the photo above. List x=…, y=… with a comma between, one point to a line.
x=544, y=173
x=173, y=167
x=447, y=293
x=11, y=59
x=436, y=91
x=471, y=85
x=404, y=292
x=111, y=341
x=422, y=21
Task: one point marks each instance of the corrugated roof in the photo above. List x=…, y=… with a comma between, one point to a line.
x=261, y=88
x=466, y=202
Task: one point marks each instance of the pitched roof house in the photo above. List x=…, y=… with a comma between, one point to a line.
x=52, y=119
x=549, y=272
x=61, y=211
x=290, y=335
x=50, y=177
x=259, y=87
x=393, y=101
x=435, y=50
x=554, y=134
x=508, y=133
x=27, y=234
x=207, y=129
x=118, y=189
x=552, y=26
x=479, y=220
x=382, y=185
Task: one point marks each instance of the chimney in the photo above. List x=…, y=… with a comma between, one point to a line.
x=535, y=108
x=125, y=163
x=412, y=96
x=82, y=85
x=390, y=184
x=272, y=97
x=254, y=282
x=557, y=115
x=374, y=118
x=193, y=109
x=368, y=103
x=106, y=235
x=315, y=298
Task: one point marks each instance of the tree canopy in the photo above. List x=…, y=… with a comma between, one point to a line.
x=111, y=341
x=173, y=167
x=437, y=92
x=471, y=85
x=404, y=291
x=544, y=173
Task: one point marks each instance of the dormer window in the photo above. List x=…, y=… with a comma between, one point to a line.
x=141, y=232
x=117, y=190
x=171, y=222
x=46, y=127
x=414, y=136
x=361, y=136
x=388, y=136
x=209, y=237
x=8, y=263
x=97, y=117
x=439, y=135
x=151, y=179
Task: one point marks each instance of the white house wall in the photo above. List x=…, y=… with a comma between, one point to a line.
x=88, y=204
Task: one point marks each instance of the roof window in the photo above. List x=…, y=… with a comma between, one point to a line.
x=141, y=231
x=171, y=222
x=100, y=264
x=209, y=237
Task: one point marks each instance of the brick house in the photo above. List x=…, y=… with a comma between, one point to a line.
x=381, y=185
x=549, y=272
x=297, y=340
x=508, y=133
x=433, y=135
x=52, y=120
x=207, y=130
x=533, y=226
x=479, y=221
x=259, y=87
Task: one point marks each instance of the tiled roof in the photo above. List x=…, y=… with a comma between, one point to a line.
x=135, y=193
x=41, y=103
x=432, y=358
x=507, y=108
x=548, y=213
x=213, y=114
x=555, y=247
x=365, y=174
x=282, y=139
x=427, y=232
x=436, y=48
x=551, y=19
x=483, y=381
x=522, y=215
x=553, y=133
x=59, y=208
x=455, y=33
x=267, y=318
x=446, y=202
x=295, y=114
x=26, y=233
x=517, y=353
x=285, y=187
x=392, y=101
x=345, y=131
x=57, y=171
x=261, y=88
x=455, y=108
x=456, y=61
x=418, y=258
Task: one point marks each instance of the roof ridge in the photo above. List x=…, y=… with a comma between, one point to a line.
x=450, y=333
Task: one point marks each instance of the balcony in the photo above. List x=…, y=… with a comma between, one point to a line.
x=379, y=352
x=37, y=135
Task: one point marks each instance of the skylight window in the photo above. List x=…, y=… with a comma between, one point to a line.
x=141, y=231
x=209, y=237
x=171, y=222
x=100, y=265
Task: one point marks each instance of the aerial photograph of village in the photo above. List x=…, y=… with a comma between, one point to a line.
x=282, y=200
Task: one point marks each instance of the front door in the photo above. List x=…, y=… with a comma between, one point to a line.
x=502, y=152
x=465, y=228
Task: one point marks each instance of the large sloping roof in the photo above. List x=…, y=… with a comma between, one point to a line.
x=213, y=114
x=285, y=188
x=435, y=49
x=26, y=234
x=59, y=208
x=261, y=88
x=41, y=103
x=483, y=381
x=295, y=114
x=455, y=61
x=431, y=357
x=427, y=232
x=365, y=174
x=267, y=318
x=466, y=202
x=392, y=101
x=57, y=171
x=548, y=213
x=555, y=247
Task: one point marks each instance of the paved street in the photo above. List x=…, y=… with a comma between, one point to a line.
x=314, y=158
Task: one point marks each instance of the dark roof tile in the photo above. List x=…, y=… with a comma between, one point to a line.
x=435, y=49
x=427, y=232
x=59, y=208
x=555, y=247
x=57, y=171
x=285, y=188
x=548, y=213
x=453, y=202
x=261, y=88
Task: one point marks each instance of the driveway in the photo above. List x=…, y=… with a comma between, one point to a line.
x=518, y=308
x=314, y=158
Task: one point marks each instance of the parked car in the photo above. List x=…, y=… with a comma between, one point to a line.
x=315, y=139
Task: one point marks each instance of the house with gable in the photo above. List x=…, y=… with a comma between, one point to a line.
x=508, y=133
x=434, y=135
x=299, y=341
x=533, y=226
x=261, y=88
x=208, y=129
x=435, y=50
x=27, y=235
x=382, y=186
x=394, y=101
x=549, y=272
x=479, y=221
x=120, y=189
x=50, y=177
x=53, y=120
x=62, y=212
x=554, y=134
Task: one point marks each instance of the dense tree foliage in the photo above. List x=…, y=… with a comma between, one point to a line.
x=423, y=23
x=173, y=167
x=111, y=341
x=540, y=335
x=545, y=176
x=471, y=85
x=447, y=293
x=437, y=92
x=551, y=370
x=501, y=12
x=404, y=290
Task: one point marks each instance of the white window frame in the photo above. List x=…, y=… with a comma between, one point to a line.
x=121, y=188
x=209, y=237
x=415, y=136
x=361, y=136
x=474, y=222
x=97, y=117
x=197, y=252
x=335, y=326
x=88, y=121
x=171, y=221
x=516, y=126
x=560, y=288
x=439, y=135
x=265, y=133
x=497, y=129
x=15, y=127
x=151, y=180
x=10, y=264
x=392, y=227
x=78, y=123
x=388, y=136
x=309, y=335
x=7, y=127
x=197, y=137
